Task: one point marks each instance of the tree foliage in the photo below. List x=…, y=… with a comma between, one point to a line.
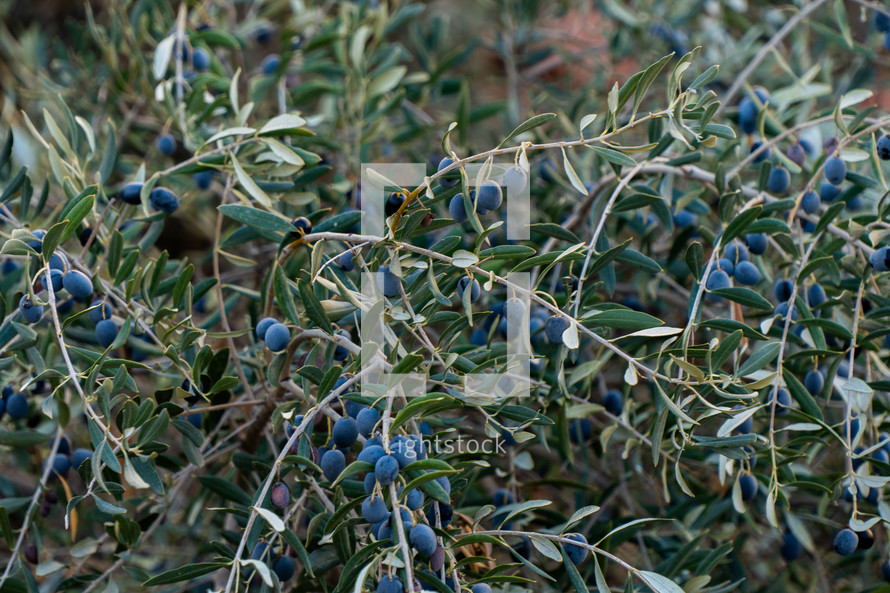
x=190, y=393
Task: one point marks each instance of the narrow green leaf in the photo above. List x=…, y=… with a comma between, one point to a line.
x=52, y=239
x=695, y=256
x=759, y=359
x=184, y=573
x=739, y=224
x=613, y=156
x=744, y=296
x=76, y=215
x=529, y=124
x=801, y=395
x=250, y=185
x=313, y=307
x=254, y=217
x=284, y=296
x=109, y=157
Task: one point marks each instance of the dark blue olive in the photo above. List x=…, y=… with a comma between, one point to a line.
x=374, y=509
x=783, y=289
x=344, y=261
x=403, y=450
x=56, y=277
x=167, y=144
x=883, y=147
x=277, y=337
x=782, y=311
x=757, y=243
x=735, y=252
x=576, y=554
x=77, y=284
x=475, y=291
x=414, y=499
x=388, y=283
x=748, y=115
x=284, y=568
x=61, y=464
x=515, y=179
x=489, y=196
x=260, y=551
x=366, y=420
x=279, y=495
x=30, y=312
x=163, y=199
x=196, y=420
x=846, y=542
x=783, y=401
x=270, y=64
x=389, y=583
x=502, y=497
x=747, y=273
x=726, y=265
x=514, y=311
x=791, y=547
x=880, y=259
x=745, y=427
x=580, y=430
x=810, y=202
x=38, y=243
x=555, y=327
x=685, y=218
x=59, y=262
x=547, y=170
x=341, y=352
x=201, y=59
x=762, y=155
x=263, y=326
x=423, y=539
x=444, y=181
x=344, y=433
x=16, y=406
x=79, y=456
x=106, y=332
x=748, y=486
x=64, y=445
x=779, y=179
x=65, y=307
x=796, y=154
x=613, y=402
x=835, y=170
x=99, y=309
x=816, y=295
x=262, y=34
x=203, y=179
x=302, y=224
x=9, y=266
x=369, y=482
x=457, y=209
x=386, y=469
x=814, y=382
x=828, y=192
x=371, y=453
x=332, y=464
